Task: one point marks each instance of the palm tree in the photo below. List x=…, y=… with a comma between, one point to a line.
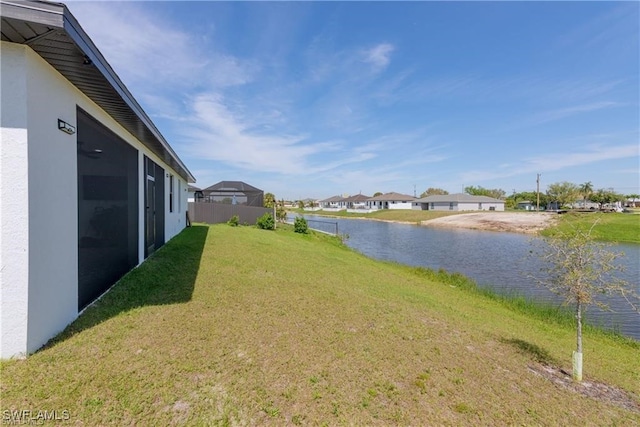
x=585, y=190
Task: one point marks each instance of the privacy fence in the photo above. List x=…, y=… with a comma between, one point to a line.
x=214, y=213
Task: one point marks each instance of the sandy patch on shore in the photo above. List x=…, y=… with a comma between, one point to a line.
x=515, y=222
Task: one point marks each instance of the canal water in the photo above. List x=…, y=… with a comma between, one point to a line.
x=500, y=261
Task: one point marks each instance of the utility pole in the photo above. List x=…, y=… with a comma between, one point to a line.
x=538, y=193
x=414, y=190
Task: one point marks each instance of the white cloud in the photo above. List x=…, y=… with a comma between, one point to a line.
x=147, y=50
x=557, y=161
x=379, y=56
x=218, y=133
x=561, y=113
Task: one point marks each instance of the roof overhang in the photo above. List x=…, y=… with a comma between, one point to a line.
x=53, y=33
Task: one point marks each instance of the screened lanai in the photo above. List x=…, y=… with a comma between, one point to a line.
x=233, y=192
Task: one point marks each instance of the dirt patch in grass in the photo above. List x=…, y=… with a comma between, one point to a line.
x=593, y=389
x=516, y=222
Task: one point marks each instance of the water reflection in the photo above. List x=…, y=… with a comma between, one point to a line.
x=501, y=261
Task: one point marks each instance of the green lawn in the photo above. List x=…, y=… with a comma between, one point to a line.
x=612, y=227
x=240, y=326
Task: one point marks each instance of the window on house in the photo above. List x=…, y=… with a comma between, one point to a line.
x=179, y=196
x=170, y=193
x=450, y=206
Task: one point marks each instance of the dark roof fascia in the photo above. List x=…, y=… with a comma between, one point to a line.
x=77, y=34
x=46, y=13
x=231, y=186
x=58, y=15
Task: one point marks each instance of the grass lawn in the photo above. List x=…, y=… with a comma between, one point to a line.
x=612, y=227
x=240, y=326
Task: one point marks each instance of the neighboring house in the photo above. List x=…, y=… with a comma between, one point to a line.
x=356, y=203
x=585, y=204
x=194, y=194
x=235, y=193
x=458, y=202
x=526, y=205
x=311, y=204
x=89, y=186
x=390, y=201
x=332, y=203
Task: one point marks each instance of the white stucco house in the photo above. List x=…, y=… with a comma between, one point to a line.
x=458, y=202
x=390, y=201
x=526, y=205
x=334, y=203
x=89, y=188
x=357, y=203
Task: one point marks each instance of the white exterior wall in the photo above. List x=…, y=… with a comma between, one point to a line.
x=43, y=281
x=388, y=204
x=486, y=206
x=442, y=206
x=38, y=194
x=53, y=203
x=14, y=204
x=174, y=222
x=472, y=206
x=400, y=205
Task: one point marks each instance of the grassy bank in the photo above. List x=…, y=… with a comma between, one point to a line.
x=242, y=326
x=409, y=215
x=611, y=227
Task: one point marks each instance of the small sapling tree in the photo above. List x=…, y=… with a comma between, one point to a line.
x=281, y=212
x=578, y=269
x=234, y=221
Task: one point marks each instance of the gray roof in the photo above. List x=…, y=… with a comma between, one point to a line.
x=356, y=198
x=54, y=33
x=229, y=186
x=459, y=198
x=393, y=197
x=332, y=199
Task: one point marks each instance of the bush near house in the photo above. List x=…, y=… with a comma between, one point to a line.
x=234, y=221
x=266, y=222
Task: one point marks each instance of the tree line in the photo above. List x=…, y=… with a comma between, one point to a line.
x=564, y=193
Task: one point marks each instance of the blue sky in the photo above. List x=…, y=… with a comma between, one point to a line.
x=314, y=99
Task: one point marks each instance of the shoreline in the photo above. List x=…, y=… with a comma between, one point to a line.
x=509, y=222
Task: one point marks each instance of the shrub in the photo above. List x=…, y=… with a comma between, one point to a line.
x=266, y=222
x=234, y=221
x=300, y=225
